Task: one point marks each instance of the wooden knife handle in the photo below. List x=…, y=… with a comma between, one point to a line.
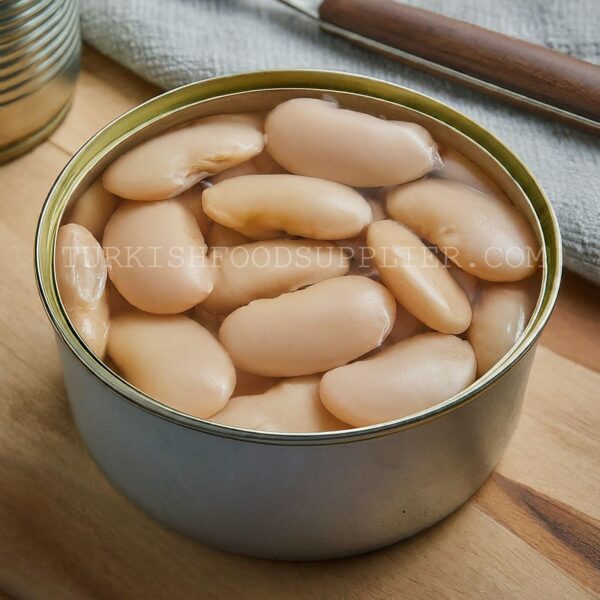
x=528, y=69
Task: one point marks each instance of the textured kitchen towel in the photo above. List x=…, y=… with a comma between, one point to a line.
x=172, y=42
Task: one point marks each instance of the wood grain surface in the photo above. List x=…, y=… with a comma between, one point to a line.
x=532, y=531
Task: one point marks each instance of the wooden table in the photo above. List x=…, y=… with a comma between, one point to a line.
x=531, y=532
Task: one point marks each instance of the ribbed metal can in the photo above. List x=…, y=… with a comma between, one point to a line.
x=40, y=47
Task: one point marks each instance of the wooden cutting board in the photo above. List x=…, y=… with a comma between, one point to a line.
x=532, y=531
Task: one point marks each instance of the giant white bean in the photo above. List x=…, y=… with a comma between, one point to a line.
x=499, y=318
x=316, y=138
x=484, y=236
x=251, y=384
x=457, y=167
x=470, y=284
x=80, y=270
x=192, y=198
x=93, y=209
x=270, y=206
x=173, y=359
x=417, y=278
x=262, y=164
x=172, y=162
x=360, y=255
x=411, y=376
x=223, y=237
x=312, y=330
x=292, y=406
x=157, y=256
x=405, y=326
x=80, y=267
x=268, y=269
x=93, y=326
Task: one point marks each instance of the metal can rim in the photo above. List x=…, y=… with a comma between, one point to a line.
x=334, y=81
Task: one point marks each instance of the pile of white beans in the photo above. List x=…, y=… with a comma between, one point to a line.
x=147, y=271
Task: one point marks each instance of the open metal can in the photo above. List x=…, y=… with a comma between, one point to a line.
x=296, y=496
x=39, y=62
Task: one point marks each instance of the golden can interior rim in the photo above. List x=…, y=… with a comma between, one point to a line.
x=157, y=108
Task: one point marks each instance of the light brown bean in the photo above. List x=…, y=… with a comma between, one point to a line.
x=80, y=268
x=223, y=237
x=262, y=164
x=470, y=284
x=270, y=206
x=170, y=163
x=81, y=271
x=173, y=359
x=192, y=198
x=417, y=278
x=312, y=330
x=93, y=326
x=250, y=384
x=405, y=326
x=292, y=406
x=316, y=138
x=481, y=234
x=209, y=321
x=93, y=209
x=360, y=255
x=268, y=269
x=406, y=378
x=457, y=167
x=157, y=256
x=499, y=319
x=116, y=303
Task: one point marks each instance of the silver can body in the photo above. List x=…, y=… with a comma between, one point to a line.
x=39, y=62
x=295, y=496
x=294, y=502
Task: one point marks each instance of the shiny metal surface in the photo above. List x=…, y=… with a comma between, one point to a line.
x=301, y=496
x=306, y=7
x=39, y=63
x=294, y=502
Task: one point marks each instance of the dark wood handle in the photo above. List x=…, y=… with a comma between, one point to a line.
x=528, y=69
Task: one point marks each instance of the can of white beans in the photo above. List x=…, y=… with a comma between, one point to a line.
x=303, y=495
x=39, y=63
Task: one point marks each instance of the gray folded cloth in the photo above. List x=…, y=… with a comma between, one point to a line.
x=173, y=42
